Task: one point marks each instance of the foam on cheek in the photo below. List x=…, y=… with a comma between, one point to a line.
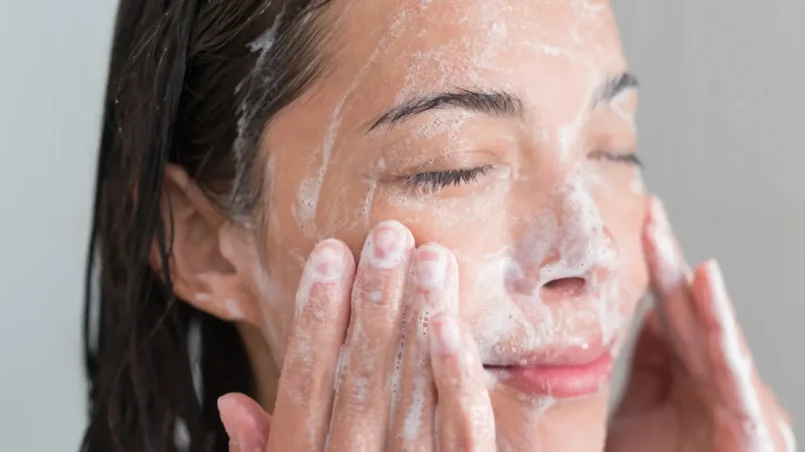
x=311, y=196
x=638, y=186
x=609, y=314
x=366, y=211
x=305, y=209
x=584, y=250
x=740, y=365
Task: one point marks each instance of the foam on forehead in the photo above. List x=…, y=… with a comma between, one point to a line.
x=457, y=40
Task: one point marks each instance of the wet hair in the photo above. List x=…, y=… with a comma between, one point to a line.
x=191, y=83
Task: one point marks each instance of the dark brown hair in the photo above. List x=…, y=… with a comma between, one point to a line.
x=191, y=83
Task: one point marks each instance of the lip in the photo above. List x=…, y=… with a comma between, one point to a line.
x=558, y=379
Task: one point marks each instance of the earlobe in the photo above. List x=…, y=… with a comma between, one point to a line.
x=196, y=233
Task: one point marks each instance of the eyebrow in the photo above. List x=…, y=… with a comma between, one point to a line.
x=613, y=87
x=491, y=103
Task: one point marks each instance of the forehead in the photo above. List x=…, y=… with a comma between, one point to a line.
x=549, y=52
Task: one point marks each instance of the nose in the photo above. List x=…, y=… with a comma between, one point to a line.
x=579, y=266
x=577, y=252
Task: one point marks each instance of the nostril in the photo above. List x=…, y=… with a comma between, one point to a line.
x=563, y=287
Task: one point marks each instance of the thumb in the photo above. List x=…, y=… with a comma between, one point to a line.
x=246, y=423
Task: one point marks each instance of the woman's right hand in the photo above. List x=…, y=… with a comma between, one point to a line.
x=352, y=329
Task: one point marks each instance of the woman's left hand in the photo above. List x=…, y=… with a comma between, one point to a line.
x=693, y=383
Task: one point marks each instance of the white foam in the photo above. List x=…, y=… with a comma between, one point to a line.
x=788, y=436
x=246, y=113
x=332, y=130
x=740, y=366
x=412, y=422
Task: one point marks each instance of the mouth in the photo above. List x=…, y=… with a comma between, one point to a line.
x=571, y=374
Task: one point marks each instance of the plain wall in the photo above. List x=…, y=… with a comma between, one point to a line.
x=721, y=132
x=53, y=63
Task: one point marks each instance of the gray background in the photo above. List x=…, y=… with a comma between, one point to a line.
x=722, y=135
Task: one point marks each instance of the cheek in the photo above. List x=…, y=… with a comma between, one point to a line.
x=477, y=228
x=625, y=222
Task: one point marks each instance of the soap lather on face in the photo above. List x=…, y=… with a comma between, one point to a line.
x=500, y=144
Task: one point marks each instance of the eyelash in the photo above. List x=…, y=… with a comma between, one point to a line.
x=438, y=180
x=629, y=159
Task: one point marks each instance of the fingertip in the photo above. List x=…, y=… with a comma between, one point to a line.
x=227, y=408
x=435, y=266
x=329, y=260
x=668, y=268
x=710, y=291
x=244, y=420
x=658, y=212
x=388, y=245
x=716, y=277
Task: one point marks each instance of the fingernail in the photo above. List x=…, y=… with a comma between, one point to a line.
x=225, y=407
x=658, y=213
x=388, y=245
x=447, y=335
x=718, y=290
x=670, y=274
x=431, y=266
x=327, y=261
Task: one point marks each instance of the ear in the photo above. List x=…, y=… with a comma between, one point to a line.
x=210, y=266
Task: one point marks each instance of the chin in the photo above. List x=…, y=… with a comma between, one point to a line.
x=529, y=422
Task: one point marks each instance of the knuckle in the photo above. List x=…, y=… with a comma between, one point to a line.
x=320, y=304
x=299, y=385
x=378, y=287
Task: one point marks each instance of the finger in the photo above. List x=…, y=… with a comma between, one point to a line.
x=466, y=419
x=670, y=275
x=433, y=289
x=734, y=370
x=304, y=395
x=363, y=392
x=776, y=415
x=789, y=441
x=245, y=422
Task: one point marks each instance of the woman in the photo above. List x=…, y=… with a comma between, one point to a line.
x=433, y=207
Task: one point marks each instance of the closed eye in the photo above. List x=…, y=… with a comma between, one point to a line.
x=433, y=181
x=630, y=158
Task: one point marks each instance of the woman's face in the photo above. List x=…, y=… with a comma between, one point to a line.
x=502, y=130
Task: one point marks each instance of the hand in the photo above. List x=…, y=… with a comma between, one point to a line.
x=347, y=329
x=693, y=384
